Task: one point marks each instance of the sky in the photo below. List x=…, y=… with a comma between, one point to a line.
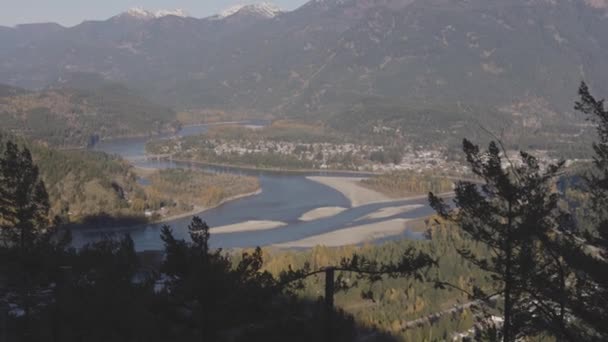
x=73, y=12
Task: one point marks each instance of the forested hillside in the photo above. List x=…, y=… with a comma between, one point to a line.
x=97, y=188
x=80, y=117
x=84, y=183
x=528, y=126
x=397, y=305
x=182, y=190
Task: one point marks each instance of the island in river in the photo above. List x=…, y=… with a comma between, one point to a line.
x=173, y=193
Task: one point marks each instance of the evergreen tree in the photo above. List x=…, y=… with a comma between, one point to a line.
x=587, y=252
x=24, y=204
x=29, y=252
x=514, y=214
x=204, y=284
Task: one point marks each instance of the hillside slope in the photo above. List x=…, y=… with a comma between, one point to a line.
x=82, y=183
x=80, y=117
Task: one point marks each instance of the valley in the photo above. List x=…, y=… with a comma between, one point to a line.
x=344, y=171
x=284, y=198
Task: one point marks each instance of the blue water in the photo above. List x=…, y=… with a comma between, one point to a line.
x=284, y=197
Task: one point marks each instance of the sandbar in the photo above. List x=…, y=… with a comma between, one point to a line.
x=390, y=211
x=247, y=226
x=320, y=213
x=352, y=190
x=351, y=236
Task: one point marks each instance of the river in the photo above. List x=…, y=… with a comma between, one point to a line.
x=284, y=197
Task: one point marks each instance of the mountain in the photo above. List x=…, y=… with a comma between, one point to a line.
x=329, y=55
x=143, y=14
x=261, y=10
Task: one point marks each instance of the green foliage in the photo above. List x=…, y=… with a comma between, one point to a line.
x=586, y=249
x=26, y=234
x=515, y=214
x=94, y=187
x=200, y=296
x=180, y=190
x=24, y=202
x=71, y=117
x=84, y=183
x=404, y=183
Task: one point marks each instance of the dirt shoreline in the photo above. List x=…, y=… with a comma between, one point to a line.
x=201, y=209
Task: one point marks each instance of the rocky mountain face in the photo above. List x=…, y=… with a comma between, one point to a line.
x=330, y=54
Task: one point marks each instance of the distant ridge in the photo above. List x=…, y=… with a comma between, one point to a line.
x=516, y=56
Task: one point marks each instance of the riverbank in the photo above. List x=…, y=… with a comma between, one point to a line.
x=201, y=209
x=273, y=170
x=185, y=191
x=110, y=224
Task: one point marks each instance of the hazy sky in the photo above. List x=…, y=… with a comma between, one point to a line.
x=72, y=12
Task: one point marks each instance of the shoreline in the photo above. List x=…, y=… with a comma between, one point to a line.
x=197, y=210
x=201, y=209
x=274, y=169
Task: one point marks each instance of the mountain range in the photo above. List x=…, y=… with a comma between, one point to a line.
x=329, y=55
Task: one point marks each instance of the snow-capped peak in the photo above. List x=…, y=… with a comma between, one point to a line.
x=229, y=11
x=176, y=12
x=143, y=14
x=262, y=9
